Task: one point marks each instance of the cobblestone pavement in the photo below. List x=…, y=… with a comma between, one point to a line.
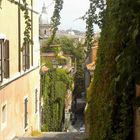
x=57, y=136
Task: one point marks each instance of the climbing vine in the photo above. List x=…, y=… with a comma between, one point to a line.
x=93, y=17
x=55, y=19
x=27, y=36
x=55, y=84
x=111, y=96
x=27, y=31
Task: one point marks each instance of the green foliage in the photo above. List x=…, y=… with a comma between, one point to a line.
x=72, y=47
x=55, y=19
x=0, y=3
x=47, y=62
x=96, y=6
x=55, y=84
x=27, y=31
x=66, y=44
x=69, y=46
x=111, y=95
x=27, y=36
x=79, y=85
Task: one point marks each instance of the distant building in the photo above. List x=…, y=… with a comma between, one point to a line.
x=45, y=30
x=44, y=26
x=75, y=34
x=90, y=64
x=19, y=72
x=59, y=60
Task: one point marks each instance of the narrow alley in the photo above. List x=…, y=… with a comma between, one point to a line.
x=69, y=70
x=72, y=134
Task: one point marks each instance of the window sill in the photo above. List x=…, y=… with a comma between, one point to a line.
x=17, y=76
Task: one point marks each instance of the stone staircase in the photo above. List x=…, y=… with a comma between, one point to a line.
x=57, y=136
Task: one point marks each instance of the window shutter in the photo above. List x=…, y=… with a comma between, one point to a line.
x=6, y=59
x=23, y=58
x=27, y=56
x=1, y=71
x=25, y=113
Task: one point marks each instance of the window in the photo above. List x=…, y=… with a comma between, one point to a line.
x=4, y=115
x=4, y=59
x=25, y=113
x=32, y=19
x=26, y=56
x=36, y=101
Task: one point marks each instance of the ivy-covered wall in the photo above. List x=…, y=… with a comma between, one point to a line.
x=111, y=96
x=54, y=88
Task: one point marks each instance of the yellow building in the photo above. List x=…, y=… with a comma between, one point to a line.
x=90, y=65
x=19, y=72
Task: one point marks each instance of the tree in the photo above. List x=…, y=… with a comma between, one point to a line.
x=93, y=16
x=55, y=19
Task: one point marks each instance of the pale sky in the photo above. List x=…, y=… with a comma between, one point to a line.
x=72, y=9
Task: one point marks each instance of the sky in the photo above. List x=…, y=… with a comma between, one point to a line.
x=72, y=10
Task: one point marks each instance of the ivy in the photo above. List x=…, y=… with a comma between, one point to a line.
x=74, y=49
x=55, y=19
x=111, y=96
x=27, y=31
x=93, y=17
x=0, y=3
x=27, y=37
x=54, y=88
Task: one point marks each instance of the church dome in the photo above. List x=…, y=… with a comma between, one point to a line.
x=43, y=19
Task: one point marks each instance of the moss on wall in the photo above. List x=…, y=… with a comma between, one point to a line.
x=111, y=93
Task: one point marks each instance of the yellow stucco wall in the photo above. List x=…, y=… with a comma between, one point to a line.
x=13, y=96
x=94, y=52
x=20, y=84
x=9, y=27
